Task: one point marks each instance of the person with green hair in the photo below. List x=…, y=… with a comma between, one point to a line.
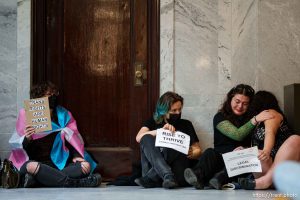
x=164, y=167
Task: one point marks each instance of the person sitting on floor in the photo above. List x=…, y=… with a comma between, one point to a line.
x=54, y=158
x=274, y=138
x=165, y=166
x=232, y=128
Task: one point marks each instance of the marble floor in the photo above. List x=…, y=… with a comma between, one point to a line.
x=132, y=193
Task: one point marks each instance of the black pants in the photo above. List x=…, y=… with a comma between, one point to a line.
x=156, y=164
x=209, y=164
x=48, y=175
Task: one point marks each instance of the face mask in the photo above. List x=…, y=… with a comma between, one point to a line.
x=52, y=101
x=173, y=118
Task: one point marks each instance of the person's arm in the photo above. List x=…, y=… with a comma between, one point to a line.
x=194, y=151
x=238, y=134
x=143, y=131
x=271, y=127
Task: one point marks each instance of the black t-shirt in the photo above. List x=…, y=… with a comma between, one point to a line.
x=40, y=149
x=182, y=125
x=224, y=144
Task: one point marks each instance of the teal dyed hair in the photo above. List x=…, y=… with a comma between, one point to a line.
x=164, y=104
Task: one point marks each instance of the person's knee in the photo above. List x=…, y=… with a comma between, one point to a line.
x=32, y=167
x=147, y=138
x=293, y=142
x=85, y=167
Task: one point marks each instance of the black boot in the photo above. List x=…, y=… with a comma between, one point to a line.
x=219, y=180
x=194, y=178
x=147, y=182
x=169, y=182
x=93, y=180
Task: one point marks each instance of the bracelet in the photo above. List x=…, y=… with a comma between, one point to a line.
x=255, y=119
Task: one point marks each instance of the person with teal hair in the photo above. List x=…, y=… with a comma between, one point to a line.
x=164, y=167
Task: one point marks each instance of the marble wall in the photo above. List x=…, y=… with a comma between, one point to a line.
x=14, y=65
x=8, y=71
x=220, y=43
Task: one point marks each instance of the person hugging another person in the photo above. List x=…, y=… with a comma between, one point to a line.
x=274, y=138
x=164, y=167
x=55, y=158
x=232, y=128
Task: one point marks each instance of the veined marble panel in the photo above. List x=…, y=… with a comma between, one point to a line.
x=244, y=41
x=279, y=45
x=224, y=46
x=8, y=64
x=196, y=63
x=166, y=46
x=23, y=69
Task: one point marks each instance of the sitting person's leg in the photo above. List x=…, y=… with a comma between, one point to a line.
x=289, y=150
x=286, y=178
x=156, y=160
x=52, y=177
x=209, y=163
x=178, y=163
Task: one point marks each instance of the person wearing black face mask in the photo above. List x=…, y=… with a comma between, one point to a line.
x=164, y=167
x=174, y=118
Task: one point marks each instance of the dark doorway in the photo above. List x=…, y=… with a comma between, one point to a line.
x=104, y=56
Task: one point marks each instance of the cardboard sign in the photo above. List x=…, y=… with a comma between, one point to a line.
x=242, y=161
x=178, y=141
x=38, y=114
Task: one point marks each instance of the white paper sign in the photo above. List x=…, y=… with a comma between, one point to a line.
x=178, y=141
x=242, y=161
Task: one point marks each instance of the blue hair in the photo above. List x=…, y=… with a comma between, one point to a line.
x=164, y=104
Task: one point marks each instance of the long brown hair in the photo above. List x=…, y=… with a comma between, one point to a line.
x=226, y=109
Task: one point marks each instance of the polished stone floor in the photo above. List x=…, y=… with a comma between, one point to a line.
x=132, y=193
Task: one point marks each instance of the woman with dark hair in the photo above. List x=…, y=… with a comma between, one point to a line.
x=164, y=166
x=232, y=128
x=274, y=139
x=55, y=158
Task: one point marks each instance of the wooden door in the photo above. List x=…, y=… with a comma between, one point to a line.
x=103, y=54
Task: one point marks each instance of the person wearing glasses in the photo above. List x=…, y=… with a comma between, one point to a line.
x=232, y=128
x=55, y=158
x=164, y=167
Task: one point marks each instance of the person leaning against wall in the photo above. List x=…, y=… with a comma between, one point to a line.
x=164, y=167
x=275, y=140
x=232, y=128
x=55, y=158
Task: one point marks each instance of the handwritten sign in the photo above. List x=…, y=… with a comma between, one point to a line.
x=242, y=161
x=38, y=114
x=178, y=141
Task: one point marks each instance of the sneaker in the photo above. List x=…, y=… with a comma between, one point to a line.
x=147, y=182
x=169, y=182
x=192, y=179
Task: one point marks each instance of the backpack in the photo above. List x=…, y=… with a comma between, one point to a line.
x=10, y=176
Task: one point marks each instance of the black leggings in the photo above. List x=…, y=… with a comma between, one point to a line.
x=50, y=176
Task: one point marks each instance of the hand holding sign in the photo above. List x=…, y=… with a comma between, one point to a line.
x=242, y=161
x=178, y=141
x=38, y=115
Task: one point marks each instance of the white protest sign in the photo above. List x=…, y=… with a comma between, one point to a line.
x=38, y=114
x=242, y=161
x=178, y=141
